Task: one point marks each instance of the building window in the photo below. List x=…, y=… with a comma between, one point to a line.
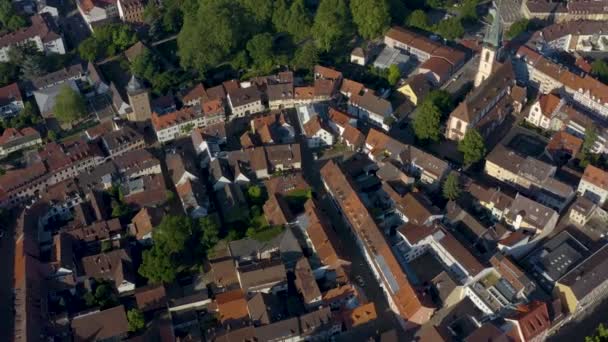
x=487, y=56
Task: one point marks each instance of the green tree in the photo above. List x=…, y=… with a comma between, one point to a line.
x=207, y=40
x=418, y=19
x=158, y=265
x=331, y=25
x=261, y=10
x=9, y=73
x=394, y=74
x=89, y=49
x=451, y=187
x=173, y=233
x=472, y=146
x=210, y=232
x=27, y=117
x=371, y=17
x=599, y=335
x=136, y=320
x=152, y=12
x=586, y=156
x=145, y=65
x=172, y=19
x=33, y=66
x=427, y=121
x=69, y=105
x=260, y=51
x=450, y=28
x=105, y=296
x=9, y=19
x=468, y=10
x=306, y=57
x=255, y=194
x=299, y=21
x=106, y=245
x=599, y=68
x=518, y=28
x=280, y=16
x=442, y=99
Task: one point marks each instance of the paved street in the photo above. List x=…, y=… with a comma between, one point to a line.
x=7, y=254
x=359, y=268
x=578, y=329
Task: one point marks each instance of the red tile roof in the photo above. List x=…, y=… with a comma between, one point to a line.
x=174, y=118
x=407, y=300
x=10, y=93
x=548, y=103
x=532, y=318
x=596, y=176
x=11, y=134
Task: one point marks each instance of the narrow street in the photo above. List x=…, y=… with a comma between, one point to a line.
x=359, y=268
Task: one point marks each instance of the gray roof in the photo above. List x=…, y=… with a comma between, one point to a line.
x=588, y=275
x=532, y=212
x=45, y=98
x=243, y=96
x=124, y=136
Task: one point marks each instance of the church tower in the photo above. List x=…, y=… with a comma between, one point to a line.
x=139, y=99
x=491, y=45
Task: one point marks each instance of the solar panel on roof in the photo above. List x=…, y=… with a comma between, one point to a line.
x=388, y=275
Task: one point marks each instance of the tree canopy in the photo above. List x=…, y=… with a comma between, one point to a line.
x=599, y=68
x=69, y=105
x=517, y=28
x=472, y=146
x=451, y=187
x=260, y=51
x=599, y=335
x=394, y=74
x=207, y=40
x=427, y=122
x=450, y=28
x=107, y=41
x=332, y=24
x=418, y=19
x=370, y=16
x=136, y=320
x=9, y=19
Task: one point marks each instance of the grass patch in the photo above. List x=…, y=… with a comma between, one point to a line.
x=265, y=233
x=297, y=198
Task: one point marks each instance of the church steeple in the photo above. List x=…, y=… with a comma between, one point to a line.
x=494, y=33
x=491, y=44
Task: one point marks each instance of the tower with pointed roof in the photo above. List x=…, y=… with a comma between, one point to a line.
x=491, y=44
x=139, y=99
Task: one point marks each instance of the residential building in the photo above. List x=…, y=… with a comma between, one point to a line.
x=563, y=12
x=268, y=276
x=430, y=169
x=245, y=101
x=318, y=133
x=115, y=266
x=594, y=184
x=531, y=321
x=370, y=107
x=43, y=33
x=540, y=72
x=13, y=140
x=283, y=157
x=572, y=36
x=411, y=307
x=108, y=324
x=528, y=214
x=97, y=12
x=529, y=175
x=122, y=140
x=358, y=56
x=307, y=284
x=179, y=123
x=144, y=221
x=416, y=89
x=422, y=47
x=11, y=102
x=350, y=88
x=280, y=96
x=131, y=11
x=586, y=284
